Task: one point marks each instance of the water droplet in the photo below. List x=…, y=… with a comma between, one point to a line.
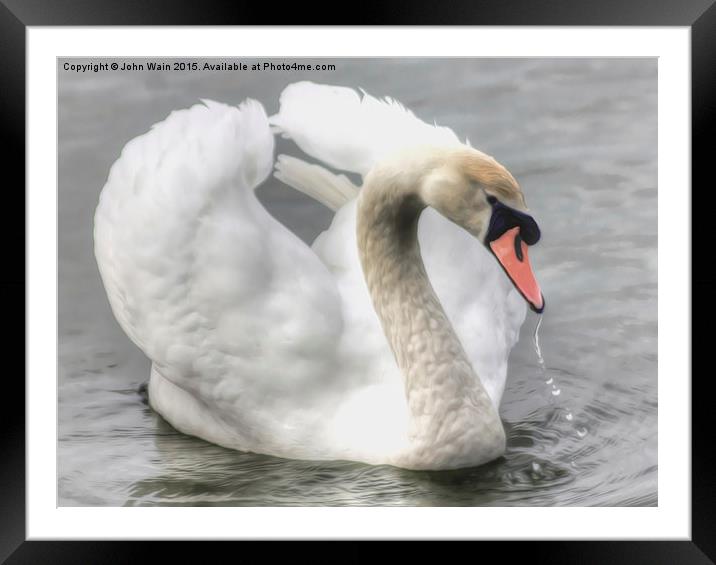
x=535, y=338
x=573, y=463
x=536, y=467
x=581, y=432
x=568, y=416
x=556, y=392
x=549, y=381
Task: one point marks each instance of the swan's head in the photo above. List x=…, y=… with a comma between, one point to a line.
x=479, y=194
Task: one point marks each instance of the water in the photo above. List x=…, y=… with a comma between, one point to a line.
x=580, y=406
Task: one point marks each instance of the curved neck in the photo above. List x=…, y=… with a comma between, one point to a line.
x=453, y=421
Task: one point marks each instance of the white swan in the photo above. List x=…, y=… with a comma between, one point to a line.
x=261, y=343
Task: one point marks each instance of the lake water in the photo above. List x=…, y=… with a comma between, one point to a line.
x=581, y=137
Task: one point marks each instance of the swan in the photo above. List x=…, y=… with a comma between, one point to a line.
x=385, y=342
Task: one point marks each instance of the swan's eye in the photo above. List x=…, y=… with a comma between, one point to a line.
x=491, y=199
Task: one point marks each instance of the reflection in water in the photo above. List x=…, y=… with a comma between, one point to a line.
x=580, y=404
x=194, y=472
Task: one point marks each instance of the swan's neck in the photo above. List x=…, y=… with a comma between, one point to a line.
x=453, y=422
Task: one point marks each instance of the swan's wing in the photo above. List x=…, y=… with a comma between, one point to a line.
x=348, y=131
x=227, y=303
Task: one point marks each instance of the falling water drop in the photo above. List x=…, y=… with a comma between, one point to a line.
x=535, y=338
x=555, y=392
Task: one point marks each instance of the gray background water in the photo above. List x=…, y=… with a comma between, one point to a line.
x=581, y=137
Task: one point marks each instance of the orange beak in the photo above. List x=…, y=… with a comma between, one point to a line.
x=512, y=254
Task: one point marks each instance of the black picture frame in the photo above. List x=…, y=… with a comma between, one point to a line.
x=17, y=15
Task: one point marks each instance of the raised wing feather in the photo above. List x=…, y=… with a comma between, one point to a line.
x=219, y=295
x=344, y=130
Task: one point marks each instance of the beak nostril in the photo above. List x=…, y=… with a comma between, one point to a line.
x=518, y=247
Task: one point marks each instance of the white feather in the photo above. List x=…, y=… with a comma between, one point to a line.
x=331, y=190
x=336, y=125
